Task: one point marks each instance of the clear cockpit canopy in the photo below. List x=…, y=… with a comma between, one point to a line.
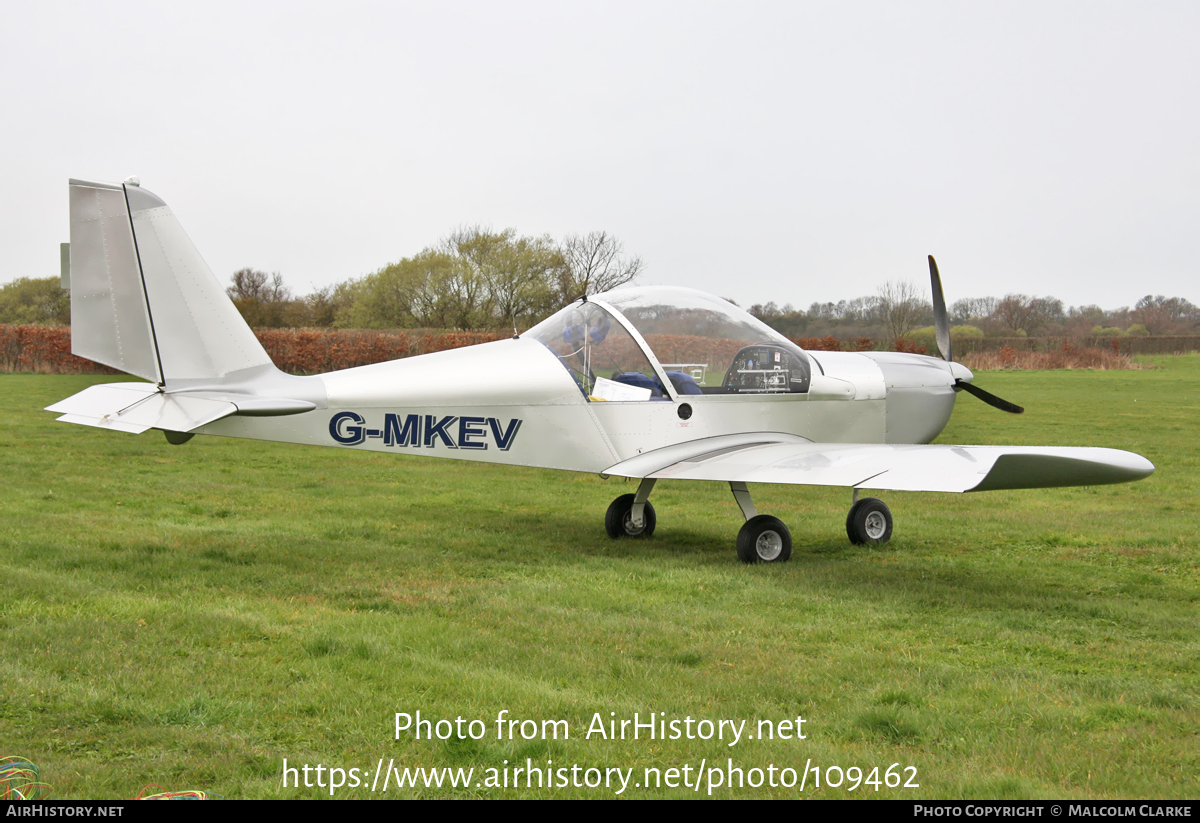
x=704, y=345
x=598, y=351
x=725, y=349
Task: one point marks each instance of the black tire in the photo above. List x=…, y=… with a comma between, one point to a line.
x=869, y=522
x=618, y=519
x=764, y=539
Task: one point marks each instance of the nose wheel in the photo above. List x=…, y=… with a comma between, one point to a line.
x=762, y=538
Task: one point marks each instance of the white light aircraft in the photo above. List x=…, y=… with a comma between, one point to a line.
x=645, y=383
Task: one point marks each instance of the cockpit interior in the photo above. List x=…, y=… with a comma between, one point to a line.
x=629, y=345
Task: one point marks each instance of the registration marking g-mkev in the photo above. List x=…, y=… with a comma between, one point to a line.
x=416, y=431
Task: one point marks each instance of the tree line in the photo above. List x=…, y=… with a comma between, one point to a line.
x=476, y=278
x=900, y=309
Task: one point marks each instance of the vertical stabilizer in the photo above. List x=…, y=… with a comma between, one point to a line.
x=142, y=298
x=200, y=333
x=110, y=322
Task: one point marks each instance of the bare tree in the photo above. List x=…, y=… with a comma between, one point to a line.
x=596, y=263
x=1166, y=315
x=861, y=310
x=902, y=307
x=258, y=286
x=972, y=308
x=1021, y=313
x=261, y=298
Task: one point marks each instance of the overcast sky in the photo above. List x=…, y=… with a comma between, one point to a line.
x=787, y=151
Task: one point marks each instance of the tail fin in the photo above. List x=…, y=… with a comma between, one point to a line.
x=142, y=299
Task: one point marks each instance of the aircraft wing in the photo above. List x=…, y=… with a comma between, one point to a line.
x=779, y=458
x=136, y=407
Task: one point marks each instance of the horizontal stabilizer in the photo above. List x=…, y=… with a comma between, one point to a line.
x=110, y=406
x=104, y=399
x=903, y=468
x=136, y=407
x=102, y=423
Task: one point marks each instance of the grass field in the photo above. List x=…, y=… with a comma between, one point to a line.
x=190, y=616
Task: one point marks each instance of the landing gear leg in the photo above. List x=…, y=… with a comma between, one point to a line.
x=742, y=495
x=631, y=515
x=763, y=538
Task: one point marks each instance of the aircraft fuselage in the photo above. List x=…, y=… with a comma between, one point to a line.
x=511, y=402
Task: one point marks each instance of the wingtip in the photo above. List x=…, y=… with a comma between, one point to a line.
x=1145, y=469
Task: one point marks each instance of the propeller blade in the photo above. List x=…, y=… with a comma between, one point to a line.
x=941, y=322
x=989, y=398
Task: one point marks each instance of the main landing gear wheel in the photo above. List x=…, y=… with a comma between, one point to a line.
x=764, y=539
x=618, y=520
x=869, y=522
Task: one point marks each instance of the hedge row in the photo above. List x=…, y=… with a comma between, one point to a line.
x=43, y=349
x=47, y=349
x=1163, y=344
x=1066, y=356
x=312, y=351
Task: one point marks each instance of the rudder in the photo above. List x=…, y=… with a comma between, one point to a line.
x=142, y=298
x=110, y=321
